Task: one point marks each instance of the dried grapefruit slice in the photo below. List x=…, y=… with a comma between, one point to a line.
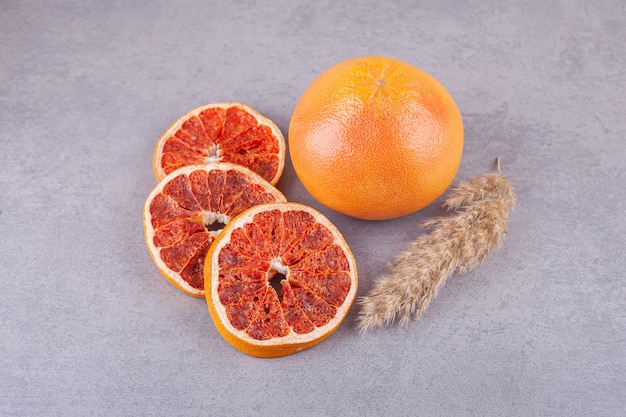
x=228, y=132
x=188, y=208
x=295, y=245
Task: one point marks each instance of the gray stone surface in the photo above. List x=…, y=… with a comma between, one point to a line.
x=89, y=327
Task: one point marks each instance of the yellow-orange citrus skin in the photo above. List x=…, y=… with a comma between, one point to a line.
x=376, y=138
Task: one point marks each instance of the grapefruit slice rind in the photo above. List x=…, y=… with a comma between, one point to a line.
x=186, y=211
x=318, y=279
x=222, y=132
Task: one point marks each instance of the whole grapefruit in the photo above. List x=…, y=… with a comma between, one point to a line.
x=376, y=138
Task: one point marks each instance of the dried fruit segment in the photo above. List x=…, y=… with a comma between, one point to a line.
x=228, y=132
x=186, y=210
x=290, y=242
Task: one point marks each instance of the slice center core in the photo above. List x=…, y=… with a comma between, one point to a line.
x=276, y=275
x=214, y=222
x=214, y=154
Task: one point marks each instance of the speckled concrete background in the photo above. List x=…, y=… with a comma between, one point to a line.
x=89, y=327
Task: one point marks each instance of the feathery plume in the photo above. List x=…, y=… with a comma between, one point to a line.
x=476, y=227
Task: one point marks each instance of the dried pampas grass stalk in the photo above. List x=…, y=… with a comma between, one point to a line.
x=456, y=244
